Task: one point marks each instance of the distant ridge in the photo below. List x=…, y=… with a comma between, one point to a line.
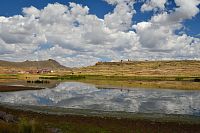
x=27, y=65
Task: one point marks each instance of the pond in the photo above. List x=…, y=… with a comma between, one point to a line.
x=78, y=95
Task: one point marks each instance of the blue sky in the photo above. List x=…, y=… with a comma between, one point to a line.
x=99, y=30
x=10, y=7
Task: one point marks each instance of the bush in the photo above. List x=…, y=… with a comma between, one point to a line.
x=29, y=126
x=179, y=78
x=39, y=81
x=196, y=80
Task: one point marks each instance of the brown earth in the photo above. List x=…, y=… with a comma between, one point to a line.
x=86, y=124
x=4, y=88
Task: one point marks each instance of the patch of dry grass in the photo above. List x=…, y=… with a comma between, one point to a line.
x=143, y=68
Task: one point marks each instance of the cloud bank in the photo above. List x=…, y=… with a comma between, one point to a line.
x=74, y=37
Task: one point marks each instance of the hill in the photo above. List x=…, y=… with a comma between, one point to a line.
x=183, y=74
x=32, y=65
x=143, y=68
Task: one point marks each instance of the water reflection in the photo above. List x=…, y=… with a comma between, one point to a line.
x=86, y=96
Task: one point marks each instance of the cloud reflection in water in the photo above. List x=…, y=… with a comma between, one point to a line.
x=87, y=96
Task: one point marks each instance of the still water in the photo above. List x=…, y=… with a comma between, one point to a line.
x=86, y=96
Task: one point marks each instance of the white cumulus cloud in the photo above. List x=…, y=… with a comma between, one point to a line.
x=74, y=37
x=153, y=5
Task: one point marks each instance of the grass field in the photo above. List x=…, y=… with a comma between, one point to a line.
x=165, y=82
x=186, y=83
x=143, y=68
x=143, y=74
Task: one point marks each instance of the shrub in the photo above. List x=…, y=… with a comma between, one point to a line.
x=196, y=80
x=179, y=78
x=24, y=126
x=29, y=126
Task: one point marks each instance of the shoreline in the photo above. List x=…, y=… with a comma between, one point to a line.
x=7, y=88
x=174, y=82
x=104, y=84
x=158, y=82
x=102, y=123
x=59, y=111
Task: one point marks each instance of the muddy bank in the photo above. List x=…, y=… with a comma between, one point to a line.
x=81, y=123
x=5, y=88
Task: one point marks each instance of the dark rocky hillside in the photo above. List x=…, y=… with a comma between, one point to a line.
x=46, y=64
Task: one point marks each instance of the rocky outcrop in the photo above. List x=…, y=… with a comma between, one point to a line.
x=8, y=117
x=54, y=130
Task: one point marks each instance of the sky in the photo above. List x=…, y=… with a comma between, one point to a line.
x=83, y=32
